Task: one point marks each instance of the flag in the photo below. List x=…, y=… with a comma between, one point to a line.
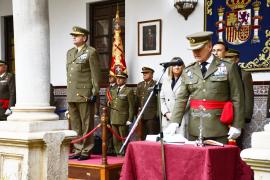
x=118, y=56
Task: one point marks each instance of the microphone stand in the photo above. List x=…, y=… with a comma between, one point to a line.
x=155, y=90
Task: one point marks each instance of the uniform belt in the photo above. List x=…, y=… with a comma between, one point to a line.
x=5, y=103
x=227, y=106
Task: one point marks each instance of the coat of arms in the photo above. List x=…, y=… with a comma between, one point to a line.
x=239, y=22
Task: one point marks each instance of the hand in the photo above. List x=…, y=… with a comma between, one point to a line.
x=8, y=112
x=93, y=99
x=171, y=129
x=168, y=115
x=128, y=123
x=234, y=133
x=67, y=114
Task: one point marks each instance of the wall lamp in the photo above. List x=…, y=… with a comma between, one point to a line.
x=185, y=7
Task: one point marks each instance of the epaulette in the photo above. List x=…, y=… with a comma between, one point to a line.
x=191, y=64
x=71, y=49
x=226, y=61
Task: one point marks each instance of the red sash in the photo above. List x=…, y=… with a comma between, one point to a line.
x=108, y=94
x=227, y=106
x=5, y=103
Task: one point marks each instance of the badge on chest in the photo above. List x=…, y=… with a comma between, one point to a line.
x=221, y=71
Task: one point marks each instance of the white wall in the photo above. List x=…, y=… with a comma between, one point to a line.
x=64, y=14
x=174, y=30
x=5, y=10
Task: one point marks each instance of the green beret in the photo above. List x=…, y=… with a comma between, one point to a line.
x=147, y=70
x=2, y=62
x=76, y=30
x=198, y=40
x=121, y=75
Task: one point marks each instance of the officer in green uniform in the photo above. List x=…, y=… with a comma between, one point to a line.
x=7, y=91
x=122, y=112
x=83, y=73
x=214, y=84
x=110, y=88
x=233, y=56
x=149, y=121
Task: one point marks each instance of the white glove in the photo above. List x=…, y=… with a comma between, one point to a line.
x=67, y=114
x=171, y=129
x=168, y=115
x=234, y=133
x=8, y=112
x=128, y=123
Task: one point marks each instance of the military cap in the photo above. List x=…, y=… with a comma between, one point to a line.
x=199, y=39
x=147, y=70
x=232, y=53
x=121, y=74
x=76, y=30
x=2, y=62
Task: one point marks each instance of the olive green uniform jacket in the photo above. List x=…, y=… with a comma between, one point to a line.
x=221, y=83
x=249, y=94
x=7, y=92
x=83, y=73
x=124, y=103
x=143, y=91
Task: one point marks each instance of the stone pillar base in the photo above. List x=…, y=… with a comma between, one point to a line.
x=258, y=156
x=33, y=114
x=34, y=150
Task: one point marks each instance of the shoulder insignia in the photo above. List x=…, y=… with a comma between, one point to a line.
x=191, y=64
x=225, y=61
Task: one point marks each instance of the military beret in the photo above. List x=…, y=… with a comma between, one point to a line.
x=199, y=39
x=147, y=70
x=76, y=30
x=121, y=74
x=2, y=62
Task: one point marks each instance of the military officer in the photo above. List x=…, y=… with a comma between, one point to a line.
x=149, y=121
x=220, y=49
x=83, y=73
x=214, y=84
x=7, y=91
x=233, y=56
x=110, y=88
x=122, y=113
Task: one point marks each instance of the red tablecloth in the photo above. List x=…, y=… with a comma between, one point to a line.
x=184, y=162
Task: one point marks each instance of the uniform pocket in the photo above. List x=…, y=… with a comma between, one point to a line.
x=218, y=78
x=123, y=97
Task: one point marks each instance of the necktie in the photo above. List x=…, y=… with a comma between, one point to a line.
x=118, y=90
x=203, y=68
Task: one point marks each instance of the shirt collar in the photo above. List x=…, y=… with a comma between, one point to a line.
x=209, y=60
x=80, y=47
x=2, y=75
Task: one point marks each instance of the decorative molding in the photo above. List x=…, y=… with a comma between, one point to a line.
x=262, y=62
x=11, y=166
x=209, y=10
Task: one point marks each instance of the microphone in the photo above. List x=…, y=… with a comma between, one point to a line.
x=178, y=62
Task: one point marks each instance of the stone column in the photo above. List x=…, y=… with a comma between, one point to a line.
x=32, y=54
x=34, y=143
x=258, y=156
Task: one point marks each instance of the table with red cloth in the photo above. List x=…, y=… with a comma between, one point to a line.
x=186, y=161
